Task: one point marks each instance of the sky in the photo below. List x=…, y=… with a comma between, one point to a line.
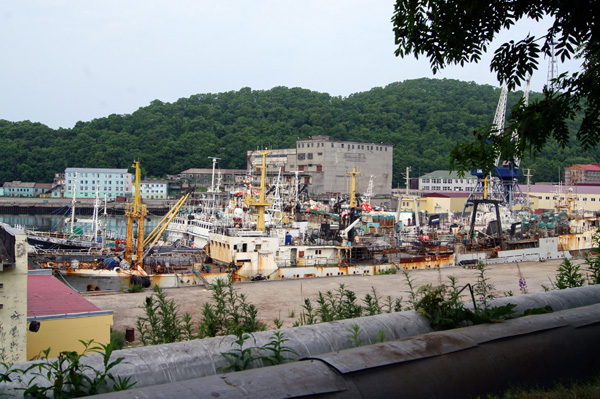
x=65, y=61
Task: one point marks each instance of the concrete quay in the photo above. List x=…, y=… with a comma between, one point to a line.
x=43, y=206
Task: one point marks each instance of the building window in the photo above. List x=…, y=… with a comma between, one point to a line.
x=309, y=155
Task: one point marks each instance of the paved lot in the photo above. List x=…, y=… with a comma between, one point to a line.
x=278, y=299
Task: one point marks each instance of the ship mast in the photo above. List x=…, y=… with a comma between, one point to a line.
x=352, y=201
x=261, y=203
x=136, y=211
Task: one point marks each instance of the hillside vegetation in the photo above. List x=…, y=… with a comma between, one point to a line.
x=423, y=118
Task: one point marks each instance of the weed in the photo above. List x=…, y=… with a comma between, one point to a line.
x=522, y=281
x=135, y=288
x=240, y=357
x=413, y=296
x=355, y=337
x=276, y=348
x=380, y=336
x=162, y=323
x=568, y=276
x=483, y=288
x=372, y=306
x=291, y=313
x=393, y=305
x=593, y=263
x=278, y=323
x=117, y=339
x=229, y=314
x=68, y=376
x=307, y=316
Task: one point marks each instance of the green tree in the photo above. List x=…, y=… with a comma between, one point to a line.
x=460, y=31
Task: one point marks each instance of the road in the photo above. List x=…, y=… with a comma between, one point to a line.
x=283, y=299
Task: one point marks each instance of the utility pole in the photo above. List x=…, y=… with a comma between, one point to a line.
x=528, y=176
x=408, y=169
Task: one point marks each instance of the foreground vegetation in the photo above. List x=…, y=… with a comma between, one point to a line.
x=588, y=388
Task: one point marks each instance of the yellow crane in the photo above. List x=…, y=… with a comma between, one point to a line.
x=261, y=203
x=135, y=212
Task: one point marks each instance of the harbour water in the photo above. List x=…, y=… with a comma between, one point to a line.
x=115, y=224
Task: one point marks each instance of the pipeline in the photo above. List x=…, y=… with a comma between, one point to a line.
x=461, y=363
x=162, y=364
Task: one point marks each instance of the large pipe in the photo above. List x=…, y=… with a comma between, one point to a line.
x=161, y=364
x=466, y=362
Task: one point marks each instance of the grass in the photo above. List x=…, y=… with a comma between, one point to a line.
x=583, y=389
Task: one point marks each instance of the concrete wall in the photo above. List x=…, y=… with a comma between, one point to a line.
x=13, y=298
x=63, y=332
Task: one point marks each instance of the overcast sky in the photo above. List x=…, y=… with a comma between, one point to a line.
x=69, y=60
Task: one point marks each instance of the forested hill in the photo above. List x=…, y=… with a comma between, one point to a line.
x=423, y=119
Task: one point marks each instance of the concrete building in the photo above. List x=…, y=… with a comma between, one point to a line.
x=323, y=163
x=26, y=189
x=109, y=182
x=328, y=161
x=42, y=189
x=547, y=196
x=444, y=180
x=19, y=189
x=153, y=189
x=13, y=295
x=582, y=174
x=230, y=178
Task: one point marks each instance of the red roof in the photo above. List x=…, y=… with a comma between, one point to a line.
x=594, y=166
x=46, y=296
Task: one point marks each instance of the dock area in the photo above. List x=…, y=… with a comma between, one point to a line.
x=48, y=206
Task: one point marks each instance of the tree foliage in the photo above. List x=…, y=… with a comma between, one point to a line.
x=422, y=118
x=459, y=32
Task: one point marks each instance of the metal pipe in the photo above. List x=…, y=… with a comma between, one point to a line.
x=161, y=364
x=466, y=362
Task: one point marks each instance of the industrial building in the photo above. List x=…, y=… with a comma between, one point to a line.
x=325, y=164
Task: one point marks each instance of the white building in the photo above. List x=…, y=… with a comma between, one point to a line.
x=109, y=182
x=153, y=189
x=443, y=180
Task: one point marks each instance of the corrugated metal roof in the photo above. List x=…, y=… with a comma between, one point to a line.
x=47, y=296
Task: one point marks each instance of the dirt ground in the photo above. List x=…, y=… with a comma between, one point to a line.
x=283, y=299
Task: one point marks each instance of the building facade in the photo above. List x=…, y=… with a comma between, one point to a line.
x=13, y=296
x=230, y=178
x=324, y=164
x=108, y=182
x=19, y=189
x=582, y=174
x=443, y=180
x=153, y=189
x=329, y=161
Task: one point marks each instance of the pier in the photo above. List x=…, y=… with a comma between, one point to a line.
x=85, y=206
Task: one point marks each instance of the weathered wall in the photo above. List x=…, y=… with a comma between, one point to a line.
x=13, y=298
